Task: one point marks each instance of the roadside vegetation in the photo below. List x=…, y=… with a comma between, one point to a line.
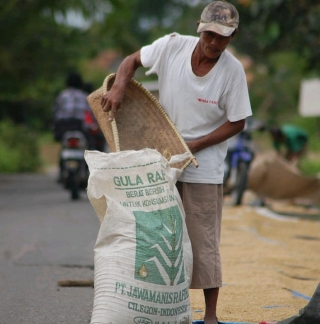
x=19, y=149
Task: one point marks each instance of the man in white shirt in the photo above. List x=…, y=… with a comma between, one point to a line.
x=203, y=89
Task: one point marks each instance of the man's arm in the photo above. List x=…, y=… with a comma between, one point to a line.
x=219, y=135
x=111, y=101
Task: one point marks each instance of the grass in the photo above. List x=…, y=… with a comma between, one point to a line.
x=310, y=165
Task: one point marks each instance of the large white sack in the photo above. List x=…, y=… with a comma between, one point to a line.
x=143, y=256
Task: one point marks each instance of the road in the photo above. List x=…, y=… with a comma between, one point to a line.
x=44, y=237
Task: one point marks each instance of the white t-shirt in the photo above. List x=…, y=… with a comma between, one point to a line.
x=198, y=105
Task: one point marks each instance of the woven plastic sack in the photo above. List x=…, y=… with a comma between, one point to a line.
x=143, y=256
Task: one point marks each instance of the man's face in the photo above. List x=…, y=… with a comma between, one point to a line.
x=213, y=44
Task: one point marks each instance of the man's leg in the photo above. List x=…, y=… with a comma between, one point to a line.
x=203, y=207
x=211, y=298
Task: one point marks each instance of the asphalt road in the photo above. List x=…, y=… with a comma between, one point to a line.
x=44, y=237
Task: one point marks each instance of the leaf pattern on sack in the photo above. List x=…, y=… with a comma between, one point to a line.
x=159, y=248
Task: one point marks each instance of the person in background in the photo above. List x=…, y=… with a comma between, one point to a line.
x=70, y=107
x=71, y=111
x=203, y=88
x=290, y=141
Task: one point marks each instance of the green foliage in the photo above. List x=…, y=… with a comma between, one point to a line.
x=38, y=47
x=283, y=39
x=131, y=24
x=37, y=50
x=310, y=166
x=275, y=91
x=36, y=54
x=46, y=138
x=312, y=126
x=18, y=149
x=269, y=26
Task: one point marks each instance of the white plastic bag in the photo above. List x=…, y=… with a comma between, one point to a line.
x=143, y=257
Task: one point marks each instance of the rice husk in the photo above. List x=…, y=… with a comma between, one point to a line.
x=265, y=258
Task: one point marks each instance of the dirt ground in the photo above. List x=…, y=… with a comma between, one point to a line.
x=49, y=154
x=270, y=263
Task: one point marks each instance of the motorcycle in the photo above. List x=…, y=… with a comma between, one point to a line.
x=237, y=163
x=76, y=136
x=74, y=171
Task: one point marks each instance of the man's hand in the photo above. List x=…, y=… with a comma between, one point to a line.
x=219, y=135
x=111, y=102
x=193, y=146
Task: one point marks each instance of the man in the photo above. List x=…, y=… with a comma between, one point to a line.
x=292, y=138
x=70, y=107
x=203, y=88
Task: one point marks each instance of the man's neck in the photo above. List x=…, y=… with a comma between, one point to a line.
x=201, y=64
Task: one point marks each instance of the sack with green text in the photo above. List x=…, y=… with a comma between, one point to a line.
x=143, y=256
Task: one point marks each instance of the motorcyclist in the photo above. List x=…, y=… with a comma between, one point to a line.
x=71, y=112
x=70, y=107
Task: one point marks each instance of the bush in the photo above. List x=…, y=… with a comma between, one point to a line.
x=19, y=151
x=310, y=166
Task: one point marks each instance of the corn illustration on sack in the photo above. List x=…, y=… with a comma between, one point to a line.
x=143, y=257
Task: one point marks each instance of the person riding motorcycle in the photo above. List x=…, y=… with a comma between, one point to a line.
x=71, y=112
x=70, y=107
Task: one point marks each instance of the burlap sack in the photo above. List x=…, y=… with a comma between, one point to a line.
x=273, y=177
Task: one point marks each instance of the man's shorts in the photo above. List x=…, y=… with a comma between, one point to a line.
x=203, y=207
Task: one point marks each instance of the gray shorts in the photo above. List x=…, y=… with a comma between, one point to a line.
x=203, y=207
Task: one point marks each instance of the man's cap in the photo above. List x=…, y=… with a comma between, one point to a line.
x=220, y=17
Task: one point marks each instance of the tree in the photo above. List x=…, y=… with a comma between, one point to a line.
x=132, y=24
x=38, y=48
x=283, y=25
x=283, y=38
x=36, y=53
x=35, y=47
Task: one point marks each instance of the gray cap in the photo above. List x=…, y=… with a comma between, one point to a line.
x=220, y=17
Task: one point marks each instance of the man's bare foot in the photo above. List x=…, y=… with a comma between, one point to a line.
x=210, y=321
